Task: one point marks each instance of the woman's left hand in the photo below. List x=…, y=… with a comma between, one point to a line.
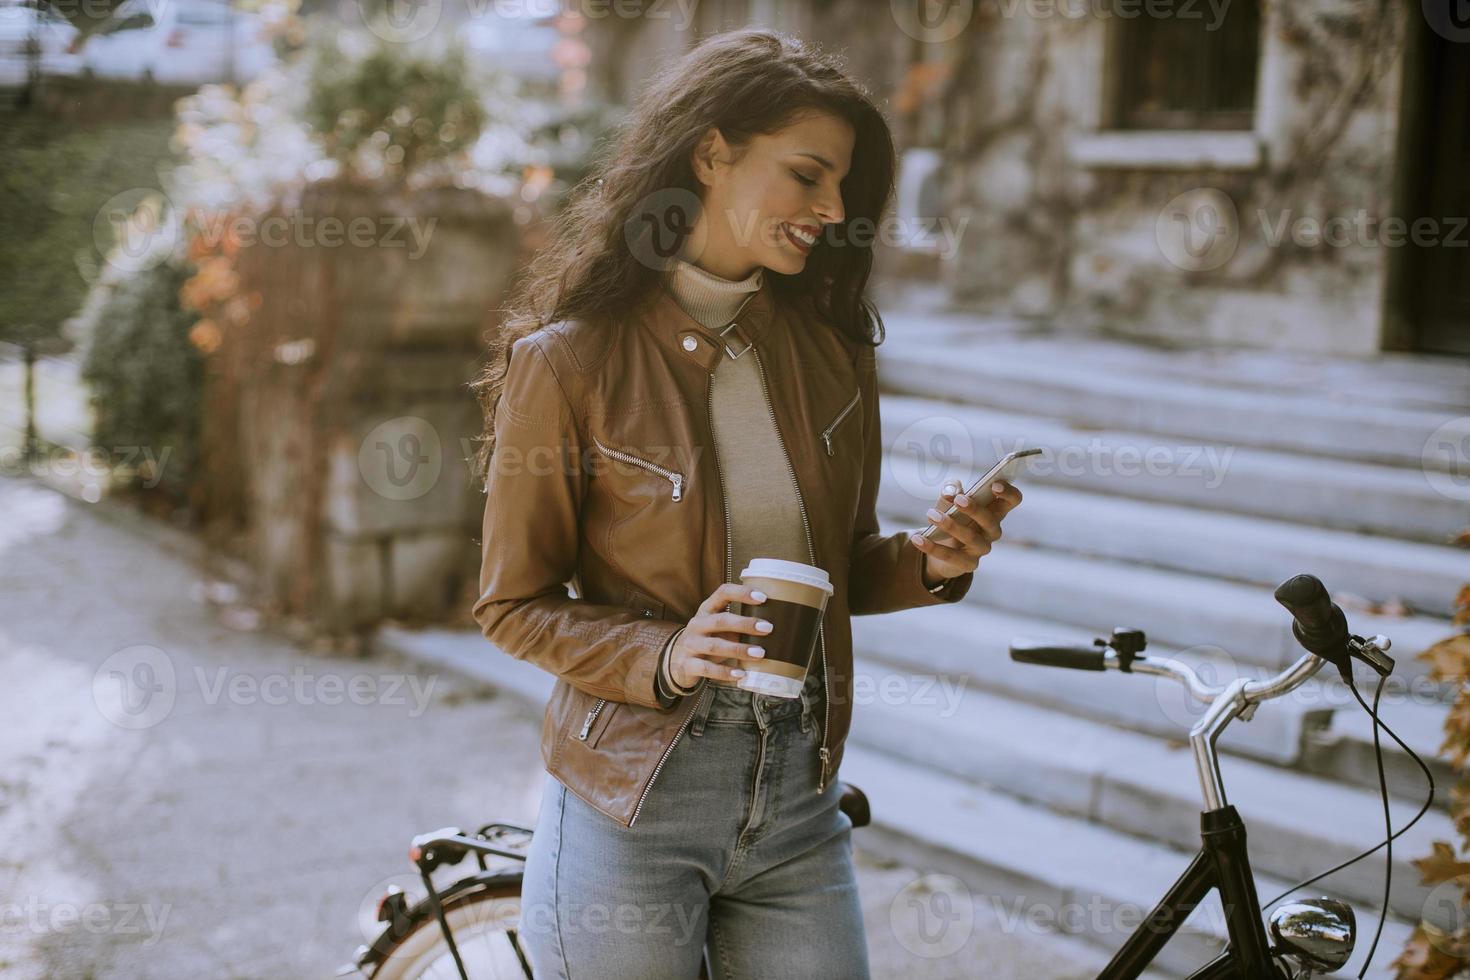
x=973, y=526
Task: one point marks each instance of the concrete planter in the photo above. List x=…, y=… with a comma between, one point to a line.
x=347, y=390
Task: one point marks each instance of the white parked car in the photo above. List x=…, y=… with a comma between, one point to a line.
x=23, y=26
x=190, y=42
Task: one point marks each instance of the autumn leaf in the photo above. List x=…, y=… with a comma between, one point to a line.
x=1425, y=956
x=1441, y=866
x=1449, y=659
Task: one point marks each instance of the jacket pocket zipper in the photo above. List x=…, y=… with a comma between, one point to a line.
x=827, y=432
x=591, y=717
x=677, y=479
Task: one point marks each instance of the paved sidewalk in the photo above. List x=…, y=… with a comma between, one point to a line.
x=185, y=795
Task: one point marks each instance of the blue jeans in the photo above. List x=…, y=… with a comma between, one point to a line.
x=734, y=847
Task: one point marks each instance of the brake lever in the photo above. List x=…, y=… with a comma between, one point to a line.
x=1370, y=651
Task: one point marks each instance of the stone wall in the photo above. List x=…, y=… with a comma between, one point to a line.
x=352, y=419
x=1182, y=238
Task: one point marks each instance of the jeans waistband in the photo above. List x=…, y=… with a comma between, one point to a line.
x=729, y=705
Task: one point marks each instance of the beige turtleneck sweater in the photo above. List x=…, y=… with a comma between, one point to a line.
x=759, y=486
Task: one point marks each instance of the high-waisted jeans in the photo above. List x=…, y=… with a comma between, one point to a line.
x=734, y=847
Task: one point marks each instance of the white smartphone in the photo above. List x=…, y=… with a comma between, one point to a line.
x=1005, y=469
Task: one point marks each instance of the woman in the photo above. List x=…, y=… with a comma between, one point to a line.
x=688, y=382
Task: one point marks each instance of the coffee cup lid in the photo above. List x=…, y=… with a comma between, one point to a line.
x=793, y=571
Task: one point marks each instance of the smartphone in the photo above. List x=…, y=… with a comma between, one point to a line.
x=1005, y=469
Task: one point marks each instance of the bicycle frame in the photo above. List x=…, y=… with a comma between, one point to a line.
x=1222, y=861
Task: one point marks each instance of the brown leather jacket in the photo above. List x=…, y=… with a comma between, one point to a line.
x=604, y=476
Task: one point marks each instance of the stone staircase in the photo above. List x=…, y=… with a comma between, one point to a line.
x=1183, y=487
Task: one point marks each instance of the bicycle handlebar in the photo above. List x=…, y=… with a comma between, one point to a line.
x=1317, y=623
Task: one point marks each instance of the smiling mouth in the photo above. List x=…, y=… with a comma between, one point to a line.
x=799, y=238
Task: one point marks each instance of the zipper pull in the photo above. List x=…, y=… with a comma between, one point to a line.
x=591, y=716
x=827, y=438
x=826, y=760
x=678, y=486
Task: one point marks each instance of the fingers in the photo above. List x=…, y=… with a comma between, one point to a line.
x=728, y=622
x=699, y=655
x=727, y=593
x=1006, y=499
x=971, y=524
x=701, y=646
x=965, y=554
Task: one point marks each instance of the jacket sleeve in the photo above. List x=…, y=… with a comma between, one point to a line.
x=885, y=572
x=529, y=547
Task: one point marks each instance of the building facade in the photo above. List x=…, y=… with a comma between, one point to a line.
x=1187, y=172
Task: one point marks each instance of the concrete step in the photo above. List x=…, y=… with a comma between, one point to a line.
x=1241, y=622
x=1068, y=386
x=959, y=440
x=1299, y=825
x=1049, y=870
x=1413, y=380
x=1239, y=547
x=964, y=644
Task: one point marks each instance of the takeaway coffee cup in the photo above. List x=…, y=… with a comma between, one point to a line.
x=796, y=597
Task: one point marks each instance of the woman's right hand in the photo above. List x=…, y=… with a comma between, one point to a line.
x=700, y=651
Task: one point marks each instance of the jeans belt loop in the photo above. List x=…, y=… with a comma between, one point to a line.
x=705, y=695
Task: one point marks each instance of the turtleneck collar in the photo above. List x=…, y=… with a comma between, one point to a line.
x=710, y=299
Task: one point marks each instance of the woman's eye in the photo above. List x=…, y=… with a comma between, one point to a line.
x=805, y=180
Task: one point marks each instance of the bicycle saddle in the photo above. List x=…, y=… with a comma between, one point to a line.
x=854, y=803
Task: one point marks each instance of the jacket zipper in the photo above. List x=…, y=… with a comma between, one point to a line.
x=677, y=479
x=825, y=753
x=591, y=717
x=725, y=505
x=827, y=432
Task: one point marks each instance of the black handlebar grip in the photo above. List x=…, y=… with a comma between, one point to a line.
x=1059, y=655
x=1319, y=624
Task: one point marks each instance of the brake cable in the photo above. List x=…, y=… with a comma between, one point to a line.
x=1387, y=821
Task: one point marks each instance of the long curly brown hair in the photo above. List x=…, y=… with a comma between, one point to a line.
x=744, y=82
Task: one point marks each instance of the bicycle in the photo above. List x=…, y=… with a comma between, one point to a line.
x=1306, y=936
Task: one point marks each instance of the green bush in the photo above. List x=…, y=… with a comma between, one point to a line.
x=145, y=377
x=54, y=183
x=392, y=112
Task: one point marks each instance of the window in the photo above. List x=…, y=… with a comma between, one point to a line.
x=1173, y=71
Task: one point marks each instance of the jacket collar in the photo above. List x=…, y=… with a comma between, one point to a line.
x=687, y=338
